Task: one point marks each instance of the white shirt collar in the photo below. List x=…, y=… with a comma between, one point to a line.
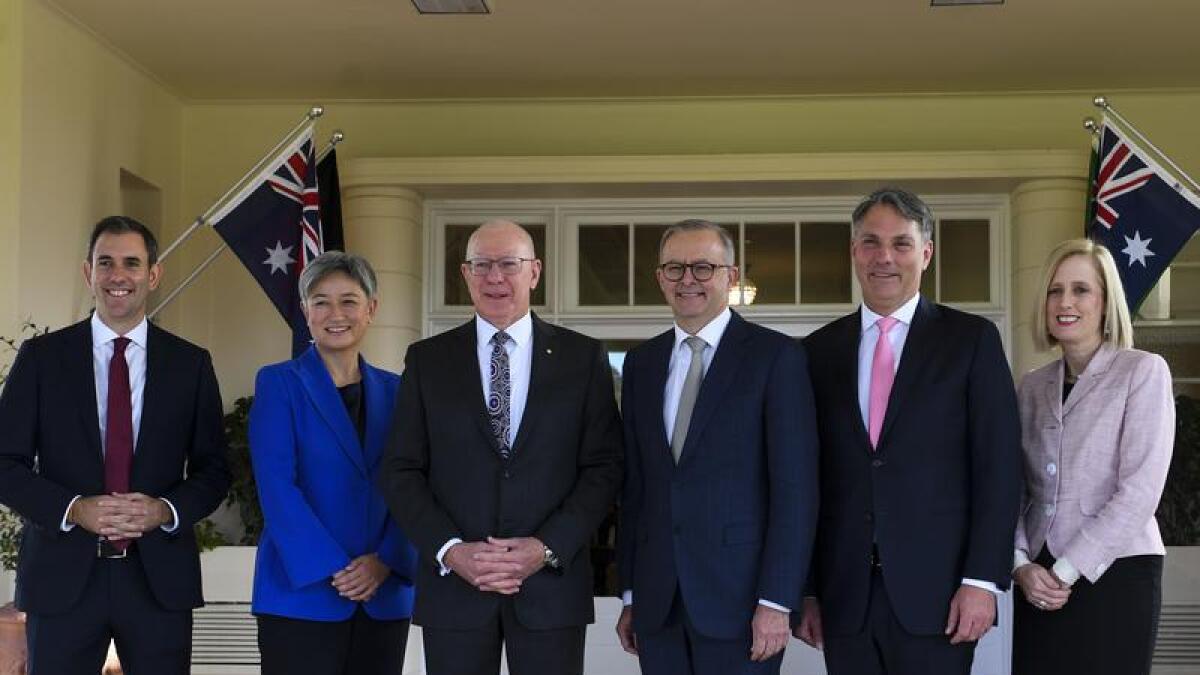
x=711, y=333
x=521, y=331
x=904, y=314
x=102, y=334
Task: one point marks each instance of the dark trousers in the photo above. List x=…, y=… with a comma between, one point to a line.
x=1105, y=628
x=884, y=647
x=556, y=651
x=359, y=645
x=679, y=649
x=116, y=605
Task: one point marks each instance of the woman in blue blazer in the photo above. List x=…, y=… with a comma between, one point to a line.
x=333, y=587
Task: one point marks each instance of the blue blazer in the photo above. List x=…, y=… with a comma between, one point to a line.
x=316, y=483
x=733, y=522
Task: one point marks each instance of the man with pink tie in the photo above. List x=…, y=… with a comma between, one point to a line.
x=920, y=464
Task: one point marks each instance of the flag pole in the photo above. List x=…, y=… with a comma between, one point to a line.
x=335, y=138
x=1102, y=103
x=312, y=114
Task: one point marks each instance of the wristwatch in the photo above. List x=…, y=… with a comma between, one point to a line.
x=549, y=558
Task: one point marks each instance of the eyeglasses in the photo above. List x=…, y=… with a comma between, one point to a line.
x=481, y=267
x=701, y=271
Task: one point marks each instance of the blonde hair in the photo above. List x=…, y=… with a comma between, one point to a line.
x=1117, y=327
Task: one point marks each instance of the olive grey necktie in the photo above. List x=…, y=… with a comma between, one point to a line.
x=687, y=397
x=501, y=390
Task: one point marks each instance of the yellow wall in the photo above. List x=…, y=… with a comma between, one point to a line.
x=10, y=161
x=85, y=113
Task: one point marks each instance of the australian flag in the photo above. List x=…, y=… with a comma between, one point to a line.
x=274, y=226
x=1141, y=213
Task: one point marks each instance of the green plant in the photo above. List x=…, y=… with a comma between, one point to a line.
x=1179, y=511
x=243, y=493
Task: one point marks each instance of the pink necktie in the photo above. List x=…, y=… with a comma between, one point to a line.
x=883, y=371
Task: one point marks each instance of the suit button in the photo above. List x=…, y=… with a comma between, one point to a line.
x=675, y=530
x=1049, y=509
x=1051, y=468
x=877, y=463
x=507, y=473
x=869, y=517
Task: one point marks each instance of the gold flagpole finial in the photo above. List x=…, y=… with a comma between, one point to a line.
x=1100, y=101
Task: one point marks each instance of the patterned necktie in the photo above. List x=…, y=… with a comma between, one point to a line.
x=498, y=405
x=687, y=396
x=118, y=429
x=883, y=372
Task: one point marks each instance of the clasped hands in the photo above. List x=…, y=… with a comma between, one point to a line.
x=497, y=565
x=120, y=515
x=1042, y=587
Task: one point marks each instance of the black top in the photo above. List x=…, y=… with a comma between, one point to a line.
x=1067, y=387
x=356, y=406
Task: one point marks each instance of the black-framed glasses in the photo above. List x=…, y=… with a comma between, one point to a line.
x=481, y=267
x=701, y=271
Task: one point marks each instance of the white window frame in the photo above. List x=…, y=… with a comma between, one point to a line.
x=563, y=217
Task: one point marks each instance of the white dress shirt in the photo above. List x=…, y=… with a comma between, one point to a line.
x=897, y=336
x=681, y=358
x=520, y=365
x=135, y=357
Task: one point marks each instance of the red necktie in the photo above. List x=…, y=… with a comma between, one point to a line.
x=118, y=431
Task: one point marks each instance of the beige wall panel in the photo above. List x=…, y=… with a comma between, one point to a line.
x=10, y=164
x=385, y=346
x=86, y=114
x=399, y=300
x=391, y=245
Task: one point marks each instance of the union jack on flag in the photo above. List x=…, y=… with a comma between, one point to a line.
x=274, y=226
x=1139, y=211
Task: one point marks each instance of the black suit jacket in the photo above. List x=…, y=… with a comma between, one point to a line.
x=50, y=451
x=940, y=494
x=733, y=521
x=443, y=477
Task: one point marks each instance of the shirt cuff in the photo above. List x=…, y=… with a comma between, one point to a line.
x=1065, y=571
x=65, y=526
x=778, y=608
x=443, y=570
x=1020, y=559
x=174, y=517
x=627, y=598
x=985, y=585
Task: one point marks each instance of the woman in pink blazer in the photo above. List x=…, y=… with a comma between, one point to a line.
x=1097, y=428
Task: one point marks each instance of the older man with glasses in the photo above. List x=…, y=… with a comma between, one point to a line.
x=504, y=456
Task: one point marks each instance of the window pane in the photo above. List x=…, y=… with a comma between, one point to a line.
x=645, y=261
x=456, y=252
x=966, y=257
x=771, y=261
x=603, y=264
x=825, y=269
x=453, y=286
x=929, y=276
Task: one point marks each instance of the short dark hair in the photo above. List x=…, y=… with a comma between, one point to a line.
x=121, y=225
x=908, y=205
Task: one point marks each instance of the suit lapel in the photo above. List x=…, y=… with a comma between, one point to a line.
x=79, y=367
x=848, y=347
x=464, y=362
x=378, y=412
x=1089, y=378
x=721, y=373
x=323, y=395
x=658, y=355
x=918, y=347
x=543, y=359
x=155, y=392
x=1053, y=390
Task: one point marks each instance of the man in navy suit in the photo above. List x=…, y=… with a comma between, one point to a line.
x=920, y=464
x=719, y=507
x=113, y=448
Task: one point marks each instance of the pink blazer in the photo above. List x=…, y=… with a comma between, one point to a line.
x=1095, y=465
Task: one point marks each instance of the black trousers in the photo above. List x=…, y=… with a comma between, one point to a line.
x=557, y=651
x=679, y=649
x=359, y=645
x=1106, y=628
x=884, y=647
x=116, y=605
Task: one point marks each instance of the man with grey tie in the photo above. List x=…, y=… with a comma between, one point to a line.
x=719, y=507
x=503, y=458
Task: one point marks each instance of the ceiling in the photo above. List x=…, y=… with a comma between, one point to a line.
x=382, y=49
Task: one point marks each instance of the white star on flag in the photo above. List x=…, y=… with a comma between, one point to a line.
x=279, y=258
x=1138, y=249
